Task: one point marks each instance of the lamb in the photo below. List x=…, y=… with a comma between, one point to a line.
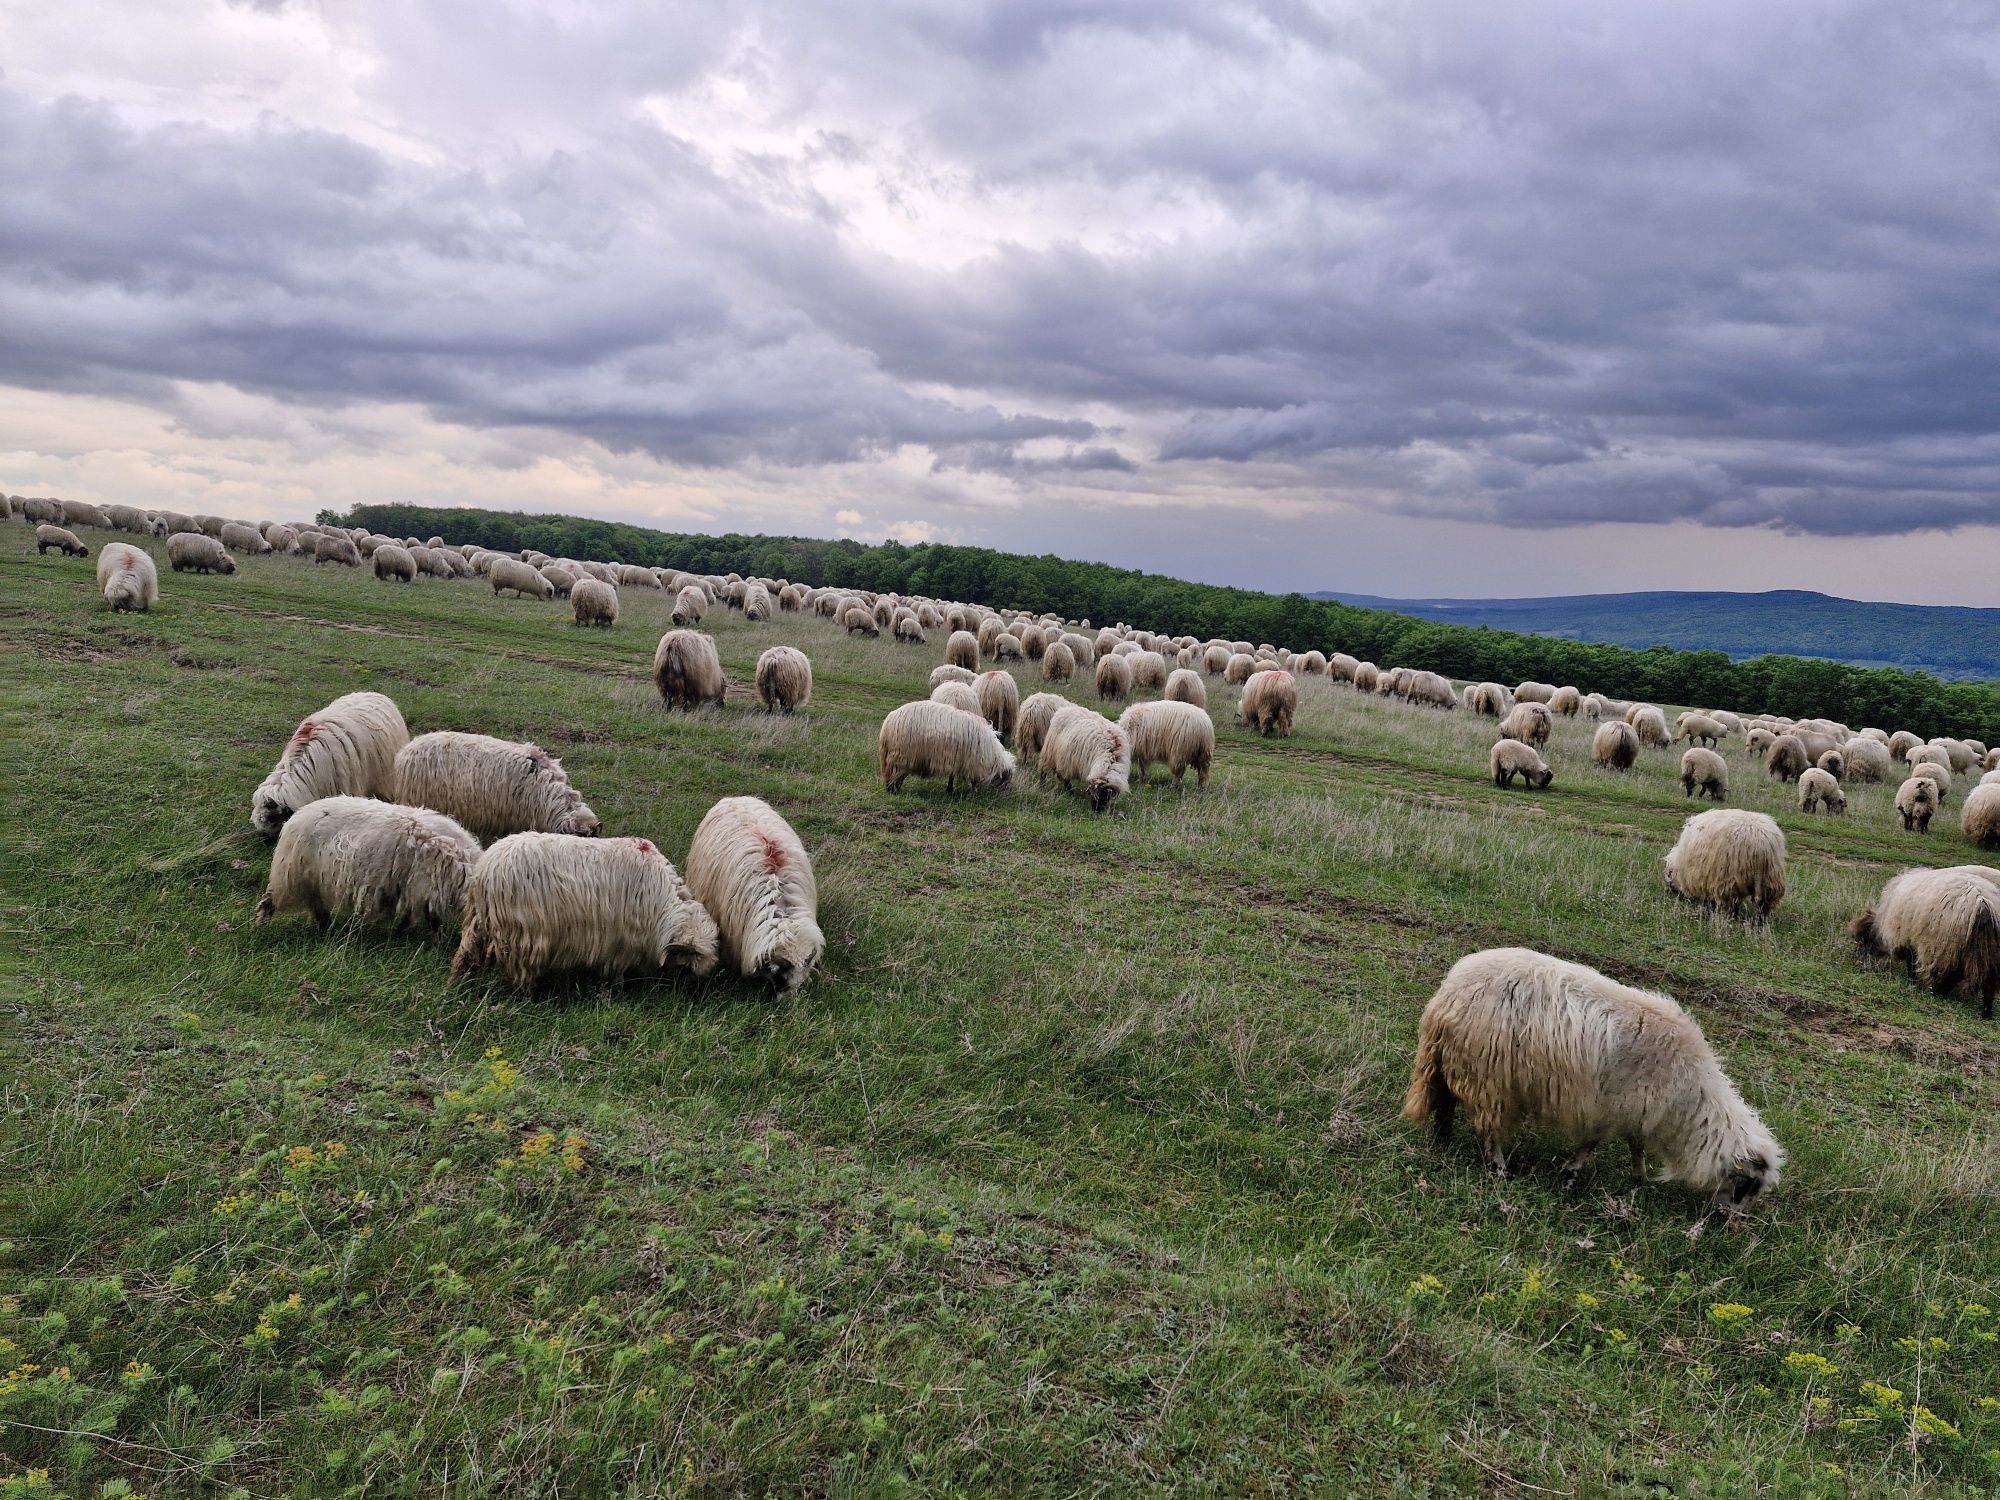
x=1524, y=1039
x=333, y=549
x=961, y=649
x=1031, y=724
x=1786, y=759
x=690, y=604
x=393, y=561
x=543, y=902
x=1729, y=858
x=1511, y=758
x=1918, y=801
x=1650, y=724
x=127, y=577
x=376, y=860
x=1700, y=729
x=1058, y=662
x=1083, y=746
x=1616, y=745
x=1820, y=789
x=999, y=702
x=1529, y=722
x=1173, y=734
x=494, y=787
x=748, y=868
x=238, y=537
x=1489, y=700
x=946, y=672
x=347, y=749
x=1945, y=924
x=784, y=679
x=65, y=541
x=1706, y=772
x=687, y=670
x=1757, y=742
x=1114, y=677
x=937, y=740
x=1979, y=819
x=1185, y=686
x=1269, y=701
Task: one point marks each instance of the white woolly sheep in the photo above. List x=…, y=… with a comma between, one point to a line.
x=128, y=518
x=127, y=577
x=946, y=672
x=83, y=513
x=1979, y=819
x=1945, y=924
x=393, y=562
x=687, y=671
x=64, y=541
x=1650, y=724
x=1834, y=763
x=1705, y=772
x=858, y=619
x=1083, y=747
x=1700, y=729
x=1729, y=858
x=1489, y=700
x=329, y=549
x=39, y=510
x=784, y=679
x=1935, y=773
x=939, y=741
x=1031, y=724
x=375, y=861
x=1269, y=700
x=1902, y=742
x=1367, y=677
x=1239, y=668
x=1058, y=662
x=1917, y=801
x=191, y=552
x=963, y=696
x=506, y=574
x=1958, y=755
x=539, y=903
x=1523, y=1039
x=1511, y=758
x=1786, y=759
x=283, y=540
x=1534, y=692
x=1080, y=649
x=1820, y=790
x=690, y=604
x=748, y=868
x=1867, y=760
x=999, y=702
x=347, y=749
x=1185, y=686
x=494, y=787
x=592, y=601
x=1567, y=702
x=908, y=628
x=1990, y=778
x=1114, y=677
x=238, y=537
x=1529, y=722
x=1173, y=734
x=1149, y=671
x=961, y=649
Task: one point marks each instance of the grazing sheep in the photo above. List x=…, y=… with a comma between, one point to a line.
x=1058, y=662
x=1239, y=668
x=1820, y=789
x=907, y=628
x=41, y=511
x=1082, y=746
x=127, y=577
x=1186, y=686
x=1034, y=641
x=591, y=600
x=1706, y=772
x=937, y=740
x=1930, y=755
x=1935, y=773
x=1114, y=677
x=1729, y=858
x=1991, y=778
x=538, y=903
x=83, y=513
x=1918, y=801
x=1902, y=742
x=1650, y=723
x=1616, y=745
x=1489, y=700
x=1367, y=677
x=1031, y=724
x=757, y=603
x=1173, y=734
x=1534, y=692
x=1757, y=742
x=1511, y=758
x=125, y=518
x=391, y=561
x=377, y=861
x=1084, y=654
x=1786, y=760
x=962, y=696
x=1566, y=701
x=1866, y=760
x=55, y=536
x=690, y=604
x=999, y=702
x=1945, y=924
x=191, y=552
x=494, y=787
x=1149, y=671
x=347, y=749
x=1700, y=729
x=526, y=583
x=1312, y=664
x=1215, y=660
x=859, y=620
x=748, y=868
x=1979, y=819
x=961, y=649
x=283, y=540
x=1990, y=761
x=946, y=672
x=333, y=549
x=1269, y=700
x=1958, y=755
x=1529, y=722
x=687, y=670
x=784, y=679
x=1523, y=1039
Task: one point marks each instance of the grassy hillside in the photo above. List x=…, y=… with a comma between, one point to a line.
x=1078, y=1169
x=1945, y=641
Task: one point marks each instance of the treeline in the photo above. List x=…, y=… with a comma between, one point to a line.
x=1799, y=687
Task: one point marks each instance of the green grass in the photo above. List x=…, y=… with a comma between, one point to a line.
x=1077, y=1170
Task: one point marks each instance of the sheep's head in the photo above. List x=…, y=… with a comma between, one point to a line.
x=1747, y=1178
x=582, y=822
x=690, y=942
x=269, y=813
x=225, y=564
x=1101, y=795
x=1544, y=777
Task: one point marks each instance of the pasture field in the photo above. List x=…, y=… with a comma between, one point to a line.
x=1076, y=1171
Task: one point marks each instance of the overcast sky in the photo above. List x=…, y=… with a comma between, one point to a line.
x=1405, y=298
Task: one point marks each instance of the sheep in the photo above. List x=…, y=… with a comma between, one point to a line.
x=1084, y=746
x=949, y=673
x=1820, y=789
x=908, y=628
x=1031, y=724
x=1148, y=670
x=1958, y=754
x=1729, y=858
x=961, y=649
x=1367, y=677
x=537, y=903
x=1081, y=651
x=1432, y=690
x=1979, y=818
x=963, y=696
x=127, y=577
x=592, y=601
x=1945, y=924
x=1650, y=724
x=1173, y=734
x=238, y=537
x=394, y=562
x=40, y=510
x=347, y=749
x=757, y=603
x=1930, y=755
x=999, y=702
x=1706, y=772
x=1991, y=778
x=1114, y=677
x=1529, y=722
x=283, y=540
x=687, y=670
x=1185, y=686
x=1489, y=700
x=1269, y=700
x=1312, y=664
x=1534, y=692
x=1034, y=641
x=1786, y=759
x=1990, y=761
x=1931, y=771
x=690, y=604
x=1902, y=742
x=1523, y=1039
x=1700, y=729
x=191, y=552
x=1616, y=745
x=83, y=513
x=494, y=787
x=65, y=541
x=1511, y=758
x=858, y=619
x=1058, y=662
x=1866, y=760
x=784, y=679
x=128, y=518
x=1917, y=801
x=1240, y=666
x=333, y=549
x=632, y=576
x=1566, y=701
x=378, y=861
x=526, y=583
x=937, y=740
x=748, y=868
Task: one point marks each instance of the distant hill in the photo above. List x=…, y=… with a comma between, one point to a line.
x=1946, y=641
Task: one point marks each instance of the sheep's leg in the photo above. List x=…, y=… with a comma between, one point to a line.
x=1493, y=1152
x=1573, y=1168
x=1638, y=1161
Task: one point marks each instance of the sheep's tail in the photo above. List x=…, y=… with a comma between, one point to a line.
x=1430, y=1097
x=1982, y=958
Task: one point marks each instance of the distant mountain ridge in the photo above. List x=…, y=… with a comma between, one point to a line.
x=1951, y=641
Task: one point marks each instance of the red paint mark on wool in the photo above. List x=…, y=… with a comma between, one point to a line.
x=774, y=854
x=303, y=735
x=644, y=846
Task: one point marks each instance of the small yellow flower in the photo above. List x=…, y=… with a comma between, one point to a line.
x=1933, y=1425
x=136, y=1372
x=1811, y=1364
x=227, y=1206
x=61, y=1373
x=1426, y=1285
x=1848, y=1331
x=1977, y=1310
x=300, y=1157
x=1531, y=1283
x=1832, y=1471
x=1726, y=1313
x=335, y=1150
x=1886, y=1396
x=1585, y=1301
x=1616, y=1336
x=646, y=1393
x=492, y=1054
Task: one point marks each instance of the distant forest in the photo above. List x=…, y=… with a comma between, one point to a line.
x=1795, y=686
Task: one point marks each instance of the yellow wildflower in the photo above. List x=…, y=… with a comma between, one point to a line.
x=136, y=1372
x=1585, y=1301
x=1426, y=1285
x=1933, y=1425
x=1726, y=1313
x=1881, y=1395
x=1811, y=1364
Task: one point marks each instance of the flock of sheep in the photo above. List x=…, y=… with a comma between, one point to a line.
x=370, y=822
